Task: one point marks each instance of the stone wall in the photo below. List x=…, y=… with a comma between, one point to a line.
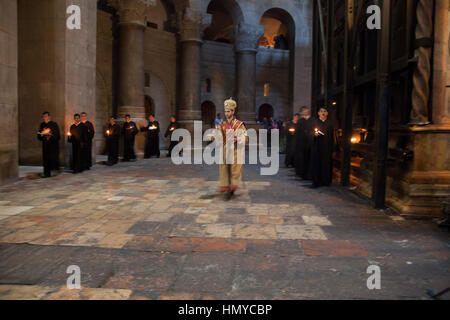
x=56, y=69
x=161, y=65
x=8, y=93
x=218, y=65
x=80, y=47
x=272, y=66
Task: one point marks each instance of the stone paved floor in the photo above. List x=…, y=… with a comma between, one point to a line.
x=151, y=230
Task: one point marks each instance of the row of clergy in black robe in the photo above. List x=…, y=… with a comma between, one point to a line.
x=129, y=131
x=309, y=147
x=81, y=135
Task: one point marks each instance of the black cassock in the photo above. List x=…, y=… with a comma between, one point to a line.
x=321, y=153
x=303, y=141
x=88, y=149
x=79, y=139
x=170, y=129
x=112, y=144
x=50, y=147
x=129, y=131
x=291, y=130
x=152, y=141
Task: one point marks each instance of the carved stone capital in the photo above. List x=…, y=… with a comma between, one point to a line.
x=132, y=11
x=247, y=36
x=192, y=23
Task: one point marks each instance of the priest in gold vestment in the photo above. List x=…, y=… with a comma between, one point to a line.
x=232, y=132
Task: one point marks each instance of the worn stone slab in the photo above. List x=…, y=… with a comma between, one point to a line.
x=299, y=232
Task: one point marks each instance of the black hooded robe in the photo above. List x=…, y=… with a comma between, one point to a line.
x=290, y=143
x=170, y=129
x=79, y=139
x=112, y=144
x=304, y=136
x=50, y=147
x=129, y=131
x=88, y=147
x=322, y=153
x=152, y=141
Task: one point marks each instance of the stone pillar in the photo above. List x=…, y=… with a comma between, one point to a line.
x=440, y=108
x=246, y=46
x=130, y=86
x=9, y=130
x=423, y=53
x=190, y=25
x=190, y=108
x=131, y=53
x=429, y=179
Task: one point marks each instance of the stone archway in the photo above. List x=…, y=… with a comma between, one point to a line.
x=265, y=111
x=159, y=103
x=208, y=114
x=280, y=36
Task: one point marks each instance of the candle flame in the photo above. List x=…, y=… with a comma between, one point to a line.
x=354, y=140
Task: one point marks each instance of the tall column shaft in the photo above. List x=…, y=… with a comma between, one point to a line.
x=190, y=81
x=246, y=85
x=131, y=71
x=246, y=46
x=440, y=109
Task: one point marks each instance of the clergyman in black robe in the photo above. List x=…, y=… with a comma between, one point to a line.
x=91, y=133
x=291, y=133
x=174, y=125
x=49, y=135
x=152, y=140
x=78, y=136
x=129, y=131
x=322, y=150
x=112, y=141
x=304, y=138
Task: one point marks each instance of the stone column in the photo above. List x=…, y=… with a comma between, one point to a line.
x=9, y=129
x=421, y=78
x=429, y=181
x=440, y=109
x=191, y=25
x=246, y=46
x=132, y=23
x=131, y=52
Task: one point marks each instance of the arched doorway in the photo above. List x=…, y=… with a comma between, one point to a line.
x=225, y=14
x=279, y=35
x=208, y=114
x=265, y=111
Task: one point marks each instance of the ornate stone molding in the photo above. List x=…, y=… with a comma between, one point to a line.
x=132, y=11
x=422, y=74
x=247, y=36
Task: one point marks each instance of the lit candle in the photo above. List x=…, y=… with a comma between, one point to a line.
x=69, y=134
x=354, y=140
x=291, y=130
x=108, y=132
